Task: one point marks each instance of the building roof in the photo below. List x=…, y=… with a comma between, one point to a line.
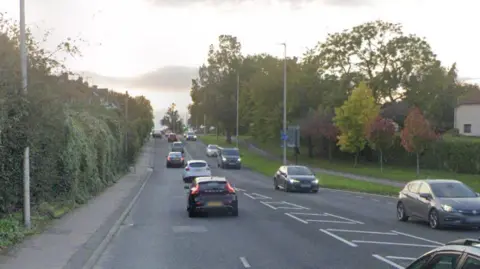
x=471, y=98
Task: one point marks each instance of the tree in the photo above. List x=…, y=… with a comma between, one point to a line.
x=172, y=119
x=380, y=135
x=417, y=134
x=352, y=119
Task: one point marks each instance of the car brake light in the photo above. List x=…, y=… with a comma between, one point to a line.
x=195, y=190
x=187, y=169
x=168, y=158
x=230, y=189
x=182, y=158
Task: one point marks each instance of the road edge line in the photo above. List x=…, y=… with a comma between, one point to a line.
x=92, y=261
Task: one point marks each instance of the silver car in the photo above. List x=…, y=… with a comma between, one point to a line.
x=441, y=202
x=212, y=150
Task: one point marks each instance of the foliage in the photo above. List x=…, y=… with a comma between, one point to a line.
x=380, y=135
x=172, y=119
x=79, y=136
x=353, y=117
x=417, y=133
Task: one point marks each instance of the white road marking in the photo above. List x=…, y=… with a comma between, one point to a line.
x=339, y=238
x=272, y=207
x=296, y=218
x=387, y=261
x=309, y=214
x=245, y=262
x=332, y=215
x=189, y=229
x=376, y=200
x=359, y=196
x=331, y=221
x=260, y=196
x=418, y=237
x=299, y=206
x=393, y=244
x=361, y=232
x=401, y=258
x=238, y=189
x=248, y=195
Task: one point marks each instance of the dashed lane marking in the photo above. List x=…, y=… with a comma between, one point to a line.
x=401, y=258
x=385, y=260
x=283, y=205
x=393, y=244
x=245, y=262
x=321, y=217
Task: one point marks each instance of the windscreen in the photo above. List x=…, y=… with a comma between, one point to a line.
x=175, y=154
x=299, y=170
x=190, y=134
x=198, y=164
x=212, y=147
x=452, y=190
x=231, y=152
x=212, y=185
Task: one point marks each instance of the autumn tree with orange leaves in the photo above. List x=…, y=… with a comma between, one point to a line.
x=380, y=135
x=417, y=134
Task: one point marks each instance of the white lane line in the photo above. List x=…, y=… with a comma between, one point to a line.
x=248, y=195
x=387, y=261
x=262, y=196
x=238, y=189
x=360, y=232
x=308, y=214
x=358, y=196
x=272, y=207
x=393, y=244
x=245, y=262
x=296, y=218
x=339, y=238
x=331, y=221
x=401, y=258
x=332, y=215
x=299, y=206
x=418, y=237
x=376, y=200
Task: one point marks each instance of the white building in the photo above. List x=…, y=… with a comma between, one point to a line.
x=467, y=115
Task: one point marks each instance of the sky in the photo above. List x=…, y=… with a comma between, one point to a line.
x=127, y=38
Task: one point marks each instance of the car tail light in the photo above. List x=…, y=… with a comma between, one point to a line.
x=187, y=169
x=168, y=158
x=195, y=190
x=230, y=189
x=182, y=158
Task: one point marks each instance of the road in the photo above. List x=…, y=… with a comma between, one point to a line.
x=328, y=230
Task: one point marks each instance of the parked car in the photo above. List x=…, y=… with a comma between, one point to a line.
x=212, y=150
x=178, y=147
x=295, y=178
x=229, y=157
x=211, y=194
x=194, y=169
x=172, y=137
x=175, y=159
x=191, y=137
x=462, y=253
x=441, y=202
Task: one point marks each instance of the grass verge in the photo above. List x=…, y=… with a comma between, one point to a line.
x=269, y=167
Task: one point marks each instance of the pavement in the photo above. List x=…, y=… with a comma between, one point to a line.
x=330, y=229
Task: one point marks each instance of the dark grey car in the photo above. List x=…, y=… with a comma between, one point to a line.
x=178, y=147
x=229, y=157
x=441, y=202
x=295, y=178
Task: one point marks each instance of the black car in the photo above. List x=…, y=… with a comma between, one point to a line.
x=178, y=147
x=463, y=253
x=172, y=137
x=295, y=178
x=229, y=157
x=175, y=159
x=191, y=137
x=157, y=134
x=211, y=194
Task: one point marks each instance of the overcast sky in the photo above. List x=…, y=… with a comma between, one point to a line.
x=131, y=37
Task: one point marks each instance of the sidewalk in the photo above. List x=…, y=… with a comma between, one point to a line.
x=70, y=241
x=382, y=181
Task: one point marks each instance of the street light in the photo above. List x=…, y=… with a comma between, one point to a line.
x=238, y=94
x=284, y=102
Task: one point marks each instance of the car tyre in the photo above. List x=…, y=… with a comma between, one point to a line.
x=314, y=191
x=275, y=185
x=235, y=212
x=192, y=213
x=434, y=219
x=285, y=187
x=401, y=213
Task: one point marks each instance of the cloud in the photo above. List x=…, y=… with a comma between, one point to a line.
x=293, y=3
x=176, y=78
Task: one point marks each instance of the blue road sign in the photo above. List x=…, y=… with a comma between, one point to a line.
x=284, y=137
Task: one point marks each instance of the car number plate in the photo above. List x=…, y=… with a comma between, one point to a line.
x=214, y=203
x=305, y=185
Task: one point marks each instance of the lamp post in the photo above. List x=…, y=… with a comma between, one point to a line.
x=238, y=101
x=284, y=102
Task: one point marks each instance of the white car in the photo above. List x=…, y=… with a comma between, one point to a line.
x=196, y=168
x=212, y=150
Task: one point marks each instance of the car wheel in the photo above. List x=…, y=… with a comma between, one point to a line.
x=192, y=213
x=275, y=184
x=433, y=219
x=168, y=166
x=314, y=191
x=285, y=187
x=401, y=214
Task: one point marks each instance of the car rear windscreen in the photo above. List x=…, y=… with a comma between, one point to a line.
x=175, y=154
x=198, y=164
x=212, y=185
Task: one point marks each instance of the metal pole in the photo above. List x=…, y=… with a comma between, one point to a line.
x=126, y=124
x=285, y=103
x=238, y=101
x=26, y=160
x=204, y=114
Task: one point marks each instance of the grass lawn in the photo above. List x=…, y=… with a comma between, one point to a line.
x=269, y=167
x=371, y=170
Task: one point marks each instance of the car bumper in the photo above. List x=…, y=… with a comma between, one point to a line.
x=176, y=164
x=212, y=209
x=458, y=219
x=232, y=164
x=209, y=153
x=303, y=187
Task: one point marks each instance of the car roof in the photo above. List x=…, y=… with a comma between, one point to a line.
x=230, y=148
x=210, y=179
x=197, y=161
x=442, y=181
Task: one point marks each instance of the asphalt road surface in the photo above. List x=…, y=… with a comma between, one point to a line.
x=327, y=230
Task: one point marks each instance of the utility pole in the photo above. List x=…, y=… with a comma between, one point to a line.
x=126, y=124
x=238, y=101
x=26, y=159
x=204, y=113
x=285, y=103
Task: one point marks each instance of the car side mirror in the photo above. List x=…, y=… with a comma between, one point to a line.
x=426, y=196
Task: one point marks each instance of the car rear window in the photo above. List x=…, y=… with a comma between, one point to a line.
x=212, y=185
x=175, y=154
x=198, y=164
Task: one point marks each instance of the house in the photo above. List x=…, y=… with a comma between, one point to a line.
x=467, y=114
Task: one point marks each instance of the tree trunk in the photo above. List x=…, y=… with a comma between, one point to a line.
x=310, y=147
x=330, y=149
x=356, y=160
x=228, y=135
x=381, y=161
x=418, y=164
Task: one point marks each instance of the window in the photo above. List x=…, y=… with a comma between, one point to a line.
x=299, y=171
x=230, y=152
x=212, y=185
x=472, y=263
x=444, y=261
x=420, y=263
x=424, y=188
x=198, y=164
x=452, y=190
x=413, y=187
x=467, y=128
